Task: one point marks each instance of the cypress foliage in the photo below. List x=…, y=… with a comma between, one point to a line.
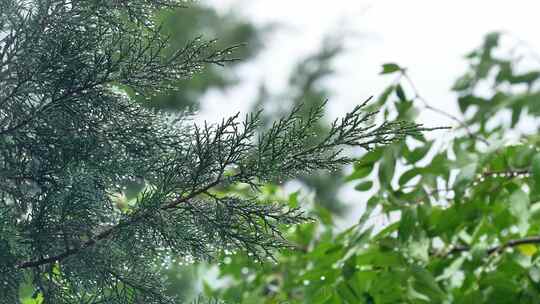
x=71, y=135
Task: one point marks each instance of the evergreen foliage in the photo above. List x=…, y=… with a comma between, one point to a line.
x=182, y=25
x=306, y=87
x=71, y=138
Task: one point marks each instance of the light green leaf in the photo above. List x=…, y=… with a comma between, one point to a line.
x=419, y=249
x=452, y=269
x=466, y=175
x=534, y=273
x=37, y=300
x=389, y=68
x=527, y=249
x=535, y=171
x=425, y=283
x=359, y=172
x=519, y=207
x=386, y=168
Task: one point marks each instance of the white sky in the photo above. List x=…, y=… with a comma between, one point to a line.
x=428, y=37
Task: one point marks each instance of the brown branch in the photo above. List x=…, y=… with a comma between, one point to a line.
x=499, y=248
x=510, y=173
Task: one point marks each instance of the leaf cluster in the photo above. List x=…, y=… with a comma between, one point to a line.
x=452, y=219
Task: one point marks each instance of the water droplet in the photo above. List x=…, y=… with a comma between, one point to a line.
x=244, y=270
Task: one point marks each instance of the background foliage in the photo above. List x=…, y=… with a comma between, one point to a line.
x=450, y=219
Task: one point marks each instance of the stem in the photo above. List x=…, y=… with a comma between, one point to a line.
x=499, y=248
x=426, y=105
x=105, y=234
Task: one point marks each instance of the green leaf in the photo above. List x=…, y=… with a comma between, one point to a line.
x=389, y=68
x=535, y=212
x=451, y=270
x=419, y=249
x=535, y=170
x=364, y=165
x=407, y=224
x=463, y=83
x=370, y=157
x=365, y=186
x=400, y=93
x=519, y=156
x=324, y=215
x=534, y=273
x=408, y=175
x=379, y=258
x=293, y=199
x=527, y=249
x=465, y=175
x=519, y=207
x=528, y=78
x=491, y=40
x=387, y=168
x=418, y=153
x=347, y=292
x=516, y=114
x=37, y=300
x=425, y=283
x=359, y=173
x=370, y=206
x=384, y=95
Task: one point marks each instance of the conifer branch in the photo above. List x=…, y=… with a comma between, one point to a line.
x=72, y=136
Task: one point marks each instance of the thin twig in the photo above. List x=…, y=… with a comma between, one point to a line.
x=426, y=105
x=499, y=248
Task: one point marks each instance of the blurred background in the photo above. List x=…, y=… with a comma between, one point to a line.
x=309, y=51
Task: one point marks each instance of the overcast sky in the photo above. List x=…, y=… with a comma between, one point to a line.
x=430, y=38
